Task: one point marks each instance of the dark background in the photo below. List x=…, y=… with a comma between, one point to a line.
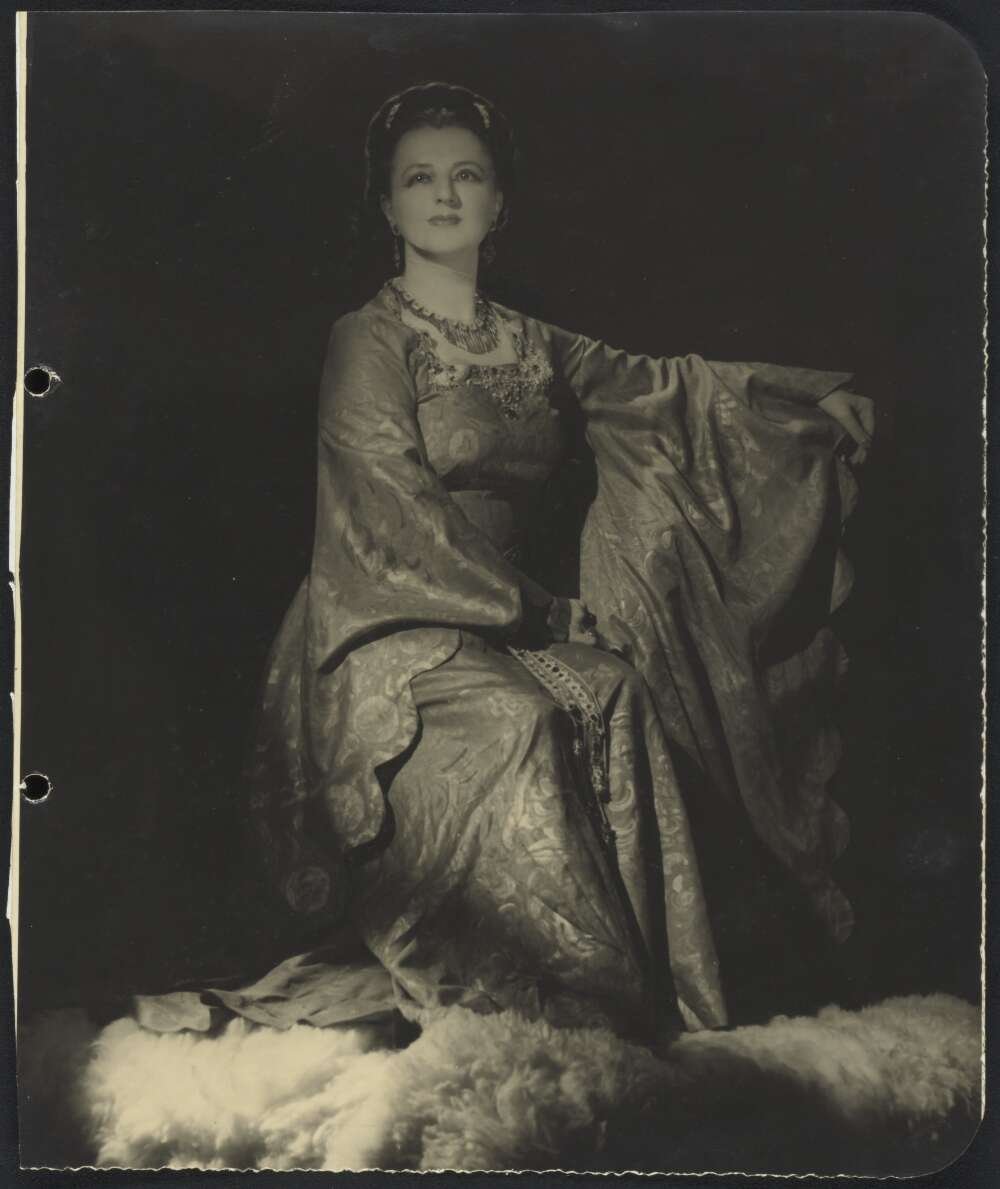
x=803, y=189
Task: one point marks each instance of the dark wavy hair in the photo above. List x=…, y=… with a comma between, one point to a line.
x=429, y=105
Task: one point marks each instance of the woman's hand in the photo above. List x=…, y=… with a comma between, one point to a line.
x=574, y=622
x=582, y=627
x=856, y=413
x=571, y=621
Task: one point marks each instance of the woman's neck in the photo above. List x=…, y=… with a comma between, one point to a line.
x=447, y=290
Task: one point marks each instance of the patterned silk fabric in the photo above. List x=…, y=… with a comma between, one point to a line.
x=412, y=776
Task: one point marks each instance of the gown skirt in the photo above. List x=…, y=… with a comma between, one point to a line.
x=505, y=884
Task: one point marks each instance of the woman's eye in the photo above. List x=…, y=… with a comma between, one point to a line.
x=418, y=177
x=469, y=174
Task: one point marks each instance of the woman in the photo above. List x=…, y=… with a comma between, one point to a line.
x=454, y=757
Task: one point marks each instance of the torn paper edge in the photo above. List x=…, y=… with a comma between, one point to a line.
x=14, y=534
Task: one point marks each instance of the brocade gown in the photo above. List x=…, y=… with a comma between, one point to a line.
x=502, y=819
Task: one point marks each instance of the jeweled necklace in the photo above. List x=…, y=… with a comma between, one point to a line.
x=478, y=337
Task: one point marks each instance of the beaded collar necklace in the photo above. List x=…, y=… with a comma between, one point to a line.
x=478, y=337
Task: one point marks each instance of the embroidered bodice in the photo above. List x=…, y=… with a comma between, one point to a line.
x=491, y=430
x=517, y=387
x=514, y=387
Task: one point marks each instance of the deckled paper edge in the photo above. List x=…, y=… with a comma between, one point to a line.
x=480, y=1172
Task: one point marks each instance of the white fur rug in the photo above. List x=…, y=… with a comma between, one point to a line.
x=892, y=1089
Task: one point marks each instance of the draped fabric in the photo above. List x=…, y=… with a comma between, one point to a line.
x=497, y=890
x=713, y=542
x=412, y=777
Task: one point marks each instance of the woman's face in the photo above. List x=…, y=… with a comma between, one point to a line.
x=444, y=196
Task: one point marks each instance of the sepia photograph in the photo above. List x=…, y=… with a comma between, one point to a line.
x=498, y=552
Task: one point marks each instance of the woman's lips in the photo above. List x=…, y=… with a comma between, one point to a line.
x=445, y=220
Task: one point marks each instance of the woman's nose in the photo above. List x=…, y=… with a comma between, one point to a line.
x=446, y=192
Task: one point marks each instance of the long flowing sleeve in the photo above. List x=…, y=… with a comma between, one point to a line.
x=713, y=544
x=392, y=550
x=599, y=374
x=397, y=571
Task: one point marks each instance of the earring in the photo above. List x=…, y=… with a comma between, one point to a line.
x=395, y=244
x=488, y=249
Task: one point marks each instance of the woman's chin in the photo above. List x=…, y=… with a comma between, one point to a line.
x=460, y=256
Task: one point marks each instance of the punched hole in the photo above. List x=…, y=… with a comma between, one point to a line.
x=36, y=786
x=40, y=380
